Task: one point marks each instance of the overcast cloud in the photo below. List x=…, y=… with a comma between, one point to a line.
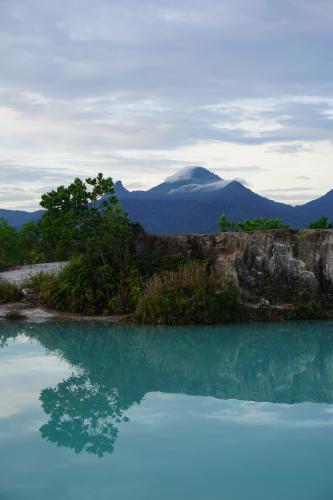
x=139, y=89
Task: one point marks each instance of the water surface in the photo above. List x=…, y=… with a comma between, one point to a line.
x=113, y=412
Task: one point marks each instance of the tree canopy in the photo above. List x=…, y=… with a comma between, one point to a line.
x=84, y=218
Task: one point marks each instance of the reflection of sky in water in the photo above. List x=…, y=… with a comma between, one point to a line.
x=24, y=372
x=174, y=446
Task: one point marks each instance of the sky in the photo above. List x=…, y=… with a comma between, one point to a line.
x=139, y=89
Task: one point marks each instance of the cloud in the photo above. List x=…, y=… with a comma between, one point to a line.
x=25, y=173
x=243, y=181
x=294, y=195
x=249, y=413
x=290, y=148
x=244, y=168
x=288, y=118
x=22, y=185
x=121, y=85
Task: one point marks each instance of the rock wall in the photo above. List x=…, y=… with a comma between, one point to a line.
x=268, y=267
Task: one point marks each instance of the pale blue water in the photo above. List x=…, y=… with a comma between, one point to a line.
x=127, y=413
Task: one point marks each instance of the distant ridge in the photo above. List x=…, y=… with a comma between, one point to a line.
x=18, y=218
x=192, y=200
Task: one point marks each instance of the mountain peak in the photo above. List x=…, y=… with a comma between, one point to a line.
x=120, y=190
x=192, y=175
x=188, y=181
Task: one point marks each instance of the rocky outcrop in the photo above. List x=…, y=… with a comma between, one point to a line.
x=278, y=268
x=19, y=275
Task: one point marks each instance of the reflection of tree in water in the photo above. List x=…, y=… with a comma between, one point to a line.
x=82, y=415
x=9, y=331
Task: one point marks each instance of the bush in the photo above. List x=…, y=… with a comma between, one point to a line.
x=260, y=224
x=189, y=295
x=43, y=285
x=88, y=289
x=151, y=264
x=312, y=309
x=321, y=223
x=9, y=292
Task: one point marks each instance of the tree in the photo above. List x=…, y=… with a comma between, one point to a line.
x=31, y=243
x=224, y=224
x=9, y=245
x=84, y=218
x=259, y=224
x=321, y=223
x=84, y=222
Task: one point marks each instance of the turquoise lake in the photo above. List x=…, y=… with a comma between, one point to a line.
x=99, y=412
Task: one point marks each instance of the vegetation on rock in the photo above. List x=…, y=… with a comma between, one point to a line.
x=83, y=288
x=9, y=292
x=260, y=224
x=191, y=294
x=321, y=223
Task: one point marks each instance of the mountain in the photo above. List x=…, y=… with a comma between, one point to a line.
x=316, y=208
x=193, y=200
x=18, y=218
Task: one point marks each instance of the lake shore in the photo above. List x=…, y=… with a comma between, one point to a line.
x=252, y=313
x=25, y=312
x=277, y=275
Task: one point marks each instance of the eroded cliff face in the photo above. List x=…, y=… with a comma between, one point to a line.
x=270, y=268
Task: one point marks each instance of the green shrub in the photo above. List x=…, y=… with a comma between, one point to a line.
x=321, y=223
x=88, y=289
x=149, y=265
x=260, y=224
x=9, y=292
x=311, y=309
x=43, y=285
x=189, y=295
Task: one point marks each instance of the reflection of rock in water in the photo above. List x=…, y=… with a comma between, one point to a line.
x=285, y=363
x=117, y=366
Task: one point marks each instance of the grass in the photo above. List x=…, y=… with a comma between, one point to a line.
x=190, y=295
x=9, y=292
x=43, y=286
